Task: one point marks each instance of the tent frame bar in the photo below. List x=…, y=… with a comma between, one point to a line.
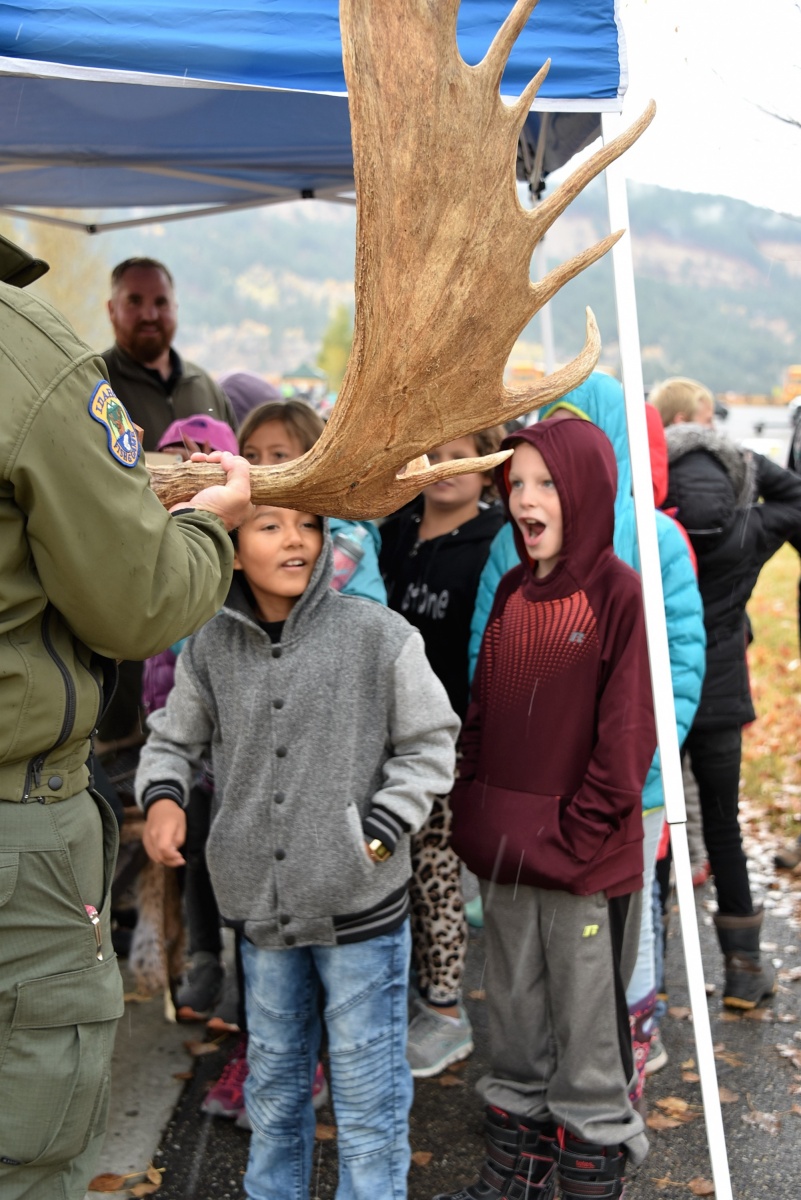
x=656, y=632
x=332, y=196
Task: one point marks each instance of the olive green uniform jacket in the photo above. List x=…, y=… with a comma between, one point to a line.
x=92, y=567
x=149, y=405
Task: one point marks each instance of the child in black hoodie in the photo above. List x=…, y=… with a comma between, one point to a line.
x=433, y=553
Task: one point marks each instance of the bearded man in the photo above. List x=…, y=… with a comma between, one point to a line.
x=155, y=384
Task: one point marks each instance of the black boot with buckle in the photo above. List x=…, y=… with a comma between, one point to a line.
x=586, y=1170
x=519, y=1163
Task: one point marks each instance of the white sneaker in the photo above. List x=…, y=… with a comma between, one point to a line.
x=435, y=1041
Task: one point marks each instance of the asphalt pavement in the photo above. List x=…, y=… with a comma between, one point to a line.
x=758, y=1061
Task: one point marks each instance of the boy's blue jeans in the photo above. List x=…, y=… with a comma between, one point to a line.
x=361, y=988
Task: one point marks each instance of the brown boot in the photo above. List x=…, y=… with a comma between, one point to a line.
x=748, y=980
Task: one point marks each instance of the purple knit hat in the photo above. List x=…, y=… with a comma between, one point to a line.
x=201, y=430
x=247, y=391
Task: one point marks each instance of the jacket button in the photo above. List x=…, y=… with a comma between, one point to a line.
x=284, y=918
x=279, y=797
x=281, y=752
x=55, y=782
x=276, y=651
x=280, y=855
x=289, y=939
x=278, y=704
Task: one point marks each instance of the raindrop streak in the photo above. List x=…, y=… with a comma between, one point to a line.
x=517, y=877
x=550, y=927
x=744, y=527
x=19, y=31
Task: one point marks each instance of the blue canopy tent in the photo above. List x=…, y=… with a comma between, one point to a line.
x=114, y=105
x=210, y=108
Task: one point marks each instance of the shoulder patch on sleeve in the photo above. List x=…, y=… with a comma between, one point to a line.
x=109, y=411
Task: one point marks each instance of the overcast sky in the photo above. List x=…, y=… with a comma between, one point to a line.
x=712, y=66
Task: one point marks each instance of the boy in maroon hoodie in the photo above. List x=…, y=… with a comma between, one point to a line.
x=548, y=813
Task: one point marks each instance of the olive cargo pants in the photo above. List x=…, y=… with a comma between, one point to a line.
x=59, y=1002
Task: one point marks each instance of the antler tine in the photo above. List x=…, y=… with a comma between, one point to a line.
x=494, y=61
x=564, y=379
x=520, y=109
x=544, y=215
x=549, y=285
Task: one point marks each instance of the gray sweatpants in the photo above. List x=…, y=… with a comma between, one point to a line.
x=560, y=1045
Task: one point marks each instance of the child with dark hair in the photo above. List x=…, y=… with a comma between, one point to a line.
x=329, y=735
x=274, y=432
x=282, y=430
x=432, y=555
x=547, y=811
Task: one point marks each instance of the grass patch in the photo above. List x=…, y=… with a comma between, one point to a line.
x=771, y=766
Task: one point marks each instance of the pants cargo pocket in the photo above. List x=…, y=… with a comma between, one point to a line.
x=54, y=1073
x=9, y=869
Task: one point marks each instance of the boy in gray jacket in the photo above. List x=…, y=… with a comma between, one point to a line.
x=329, y=736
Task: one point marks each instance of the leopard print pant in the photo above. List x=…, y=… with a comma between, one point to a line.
x=439, y=926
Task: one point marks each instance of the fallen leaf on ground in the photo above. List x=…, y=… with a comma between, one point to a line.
x=665, y=1182
x=689, y=1065
x=729, y=1015
x=109, y=1183
x=796, y=1110
x=450, y=1081
x=421, y=1158
x=679, y=1110
x=657, y=1120
x=691, y=1077
x=764, y=1120
x=787, y=1018
x=680, y=1013
x=701, y=1187
x=790, y=976
x=183, y=1075
x=727, y=1096
x=759, y=1014
x=150, y=1179
x=729, y=1057
x=136, y=998
x=477, y=994
x=325, y=1133
x=196, y=1049
x=788, y=1050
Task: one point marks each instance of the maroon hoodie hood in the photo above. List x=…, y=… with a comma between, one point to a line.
x=559, y=735
x=582, y=463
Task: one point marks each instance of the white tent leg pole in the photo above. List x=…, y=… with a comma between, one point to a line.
x=546, y=314
x=628, y=334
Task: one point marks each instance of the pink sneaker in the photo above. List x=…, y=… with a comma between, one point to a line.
x=700, y=874
x=224, y=1098
x=319, y=1087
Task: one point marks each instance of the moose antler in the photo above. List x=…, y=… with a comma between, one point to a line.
x=443, y=253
